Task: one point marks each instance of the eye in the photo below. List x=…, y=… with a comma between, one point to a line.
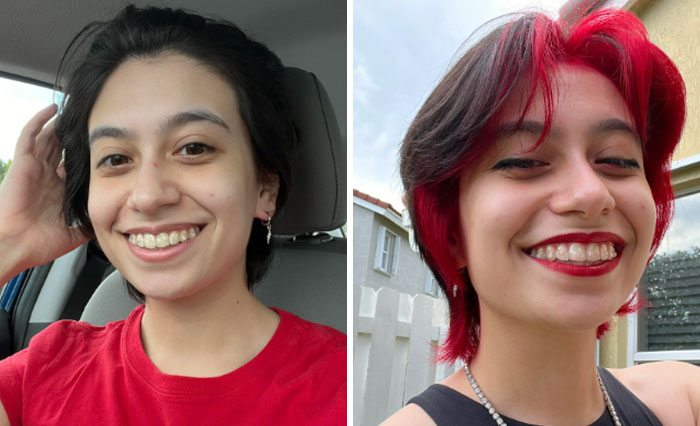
x=517, y=163
x=624, y=163
x=195, y=149
x=114, y=160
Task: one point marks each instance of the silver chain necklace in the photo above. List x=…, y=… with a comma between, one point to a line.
x=497, y=417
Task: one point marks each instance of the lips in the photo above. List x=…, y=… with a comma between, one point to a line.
x=152, y=251
x=579, y=254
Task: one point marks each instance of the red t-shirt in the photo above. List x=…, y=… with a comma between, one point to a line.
x=76, y=374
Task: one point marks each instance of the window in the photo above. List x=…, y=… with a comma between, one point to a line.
x=669, y=328
x=387, y=257
x=431, y=285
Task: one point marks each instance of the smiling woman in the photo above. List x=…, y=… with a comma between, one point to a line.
x=178, y=136
x=537, y=178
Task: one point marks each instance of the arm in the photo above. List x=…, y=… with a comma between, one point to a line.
x=32, y=230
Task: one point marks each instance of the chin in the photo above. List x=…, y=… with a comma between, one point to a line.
x=581, y=315
x=163, y=287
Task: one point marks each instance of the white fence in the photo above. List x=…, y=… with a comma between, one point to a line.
x=394, y=348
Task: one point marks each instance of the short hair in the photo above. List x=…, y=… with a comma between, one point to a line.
x=255, y=73
x=457, y=124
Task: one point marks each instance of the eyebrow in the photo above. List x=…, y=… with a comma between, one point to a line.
x=613, y=125
x=513, y=127
x=174, y=121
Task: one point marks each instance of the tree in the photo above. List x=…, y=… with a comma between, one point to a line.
x=4, y=167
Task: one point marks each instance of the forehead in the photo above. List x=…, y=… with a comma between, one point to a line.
x=572, y=87
x=142, y=88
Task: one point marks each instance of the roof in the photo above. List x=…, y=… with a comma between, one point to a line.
x=376, y=201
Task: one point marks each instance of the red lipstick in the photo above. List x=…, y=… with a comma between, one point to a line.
x=583, y=238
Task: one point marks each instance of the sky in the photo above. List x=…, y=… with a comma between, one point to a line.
x=18, y=103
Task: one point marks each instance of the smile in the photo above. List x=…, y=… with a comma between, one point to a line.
x=579, y=254
x=576, y=253
x=163, y=240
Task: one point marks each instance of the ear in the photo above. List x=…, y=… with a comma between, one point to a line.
x=267, y=195
x=457, y=251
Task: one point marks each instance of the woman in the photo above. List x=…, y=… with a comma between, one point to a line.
x=537, y=179
x=177, y=139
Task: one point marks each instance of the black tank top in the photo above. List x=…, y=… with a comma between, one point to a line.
x=447, y=407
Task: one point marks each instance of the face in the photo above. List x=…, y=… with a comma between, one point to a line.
x=557, y=235
x=173, y=186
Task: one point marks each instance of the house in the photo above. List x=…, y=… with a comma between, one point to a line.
x=383, y=254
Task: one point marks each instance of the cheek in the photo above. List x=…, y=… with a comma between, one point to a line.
x=645, y=218
x=98, y=201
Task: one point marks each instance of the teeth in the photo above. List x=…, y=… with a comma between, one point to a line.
x=576, y=253
x=593, y=252
x=163, y=239
x=550, y=252
x=562, y=252
x=149, y=241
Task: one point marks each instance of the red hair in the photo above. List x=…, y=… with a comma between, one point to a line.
x=455, y=127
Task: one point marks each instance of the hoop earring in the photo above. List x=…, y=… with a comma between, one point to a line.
x=268, y=224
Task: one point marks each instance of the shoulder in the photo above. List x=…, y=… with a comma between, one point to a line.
x=314, y=339
x=315, y=366
x=410, y=415
x=60, y=337
x=50, y=358
x=670, y=389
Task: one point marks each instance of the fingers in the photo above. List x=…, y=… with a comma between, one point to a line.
x=46, y=142
x=25, y=143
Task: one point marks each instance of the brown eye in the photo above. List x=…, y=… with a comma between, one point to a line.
x=195, y=149
x=114, y=160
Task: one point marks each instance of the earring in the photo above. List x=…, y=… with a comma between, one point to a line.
x=268, y=224
x=454, y=290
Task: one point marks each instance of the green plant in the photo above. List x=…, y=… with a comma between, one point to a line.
x=4, y=167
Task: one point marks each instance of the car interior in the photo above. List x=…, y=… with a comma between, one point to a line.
x=308, y=273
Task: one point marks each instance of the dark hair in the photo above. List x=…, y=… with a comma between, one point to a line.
x=255, y=73
x=456, y=126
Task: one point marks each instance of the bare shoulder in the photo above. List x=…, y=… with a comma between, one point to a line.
x=410, y=415
x=670, y=389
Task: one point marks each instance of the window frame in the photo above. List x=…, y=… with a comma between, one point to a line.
x=686, y=182
x=392, y=254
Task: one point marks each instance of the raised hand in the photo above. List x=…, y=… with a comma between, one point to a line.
x=32, y=229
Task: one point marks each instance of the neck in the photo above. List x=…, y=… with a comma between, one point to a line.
x=539, y=376
x=208, y=334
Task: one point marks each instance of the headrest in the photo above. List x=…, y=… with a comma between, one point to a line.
x=317, y=199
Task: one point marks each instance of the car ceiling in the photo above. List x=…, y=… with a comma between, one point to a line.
x=309, y=34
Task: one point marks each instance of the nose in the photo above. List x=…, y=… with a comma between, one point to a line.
x=581, y=190
x=152, y=190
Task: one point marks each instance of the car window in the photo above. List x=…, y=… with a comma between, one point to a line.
x=18, y=103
